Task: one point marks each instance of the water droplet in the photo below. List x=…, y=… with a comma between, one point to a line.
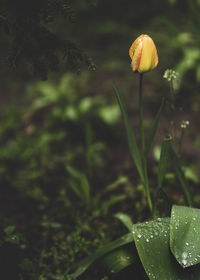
x=139, y=235
x=184, y=262
x=184, y=255
x=147, y=240
x=186, y=243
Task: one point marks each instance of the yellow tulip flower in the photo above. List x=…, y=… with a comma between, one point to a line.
x=143, y=54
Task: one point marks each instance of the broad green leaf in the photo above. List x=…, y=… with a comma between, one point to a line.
x=163, y=160
x=153, y=246
x=126, y=220
x=154, y=129
x=119, y=259
x=185, y=235
x=131, y=137
x=180, y=176
x=84, y=264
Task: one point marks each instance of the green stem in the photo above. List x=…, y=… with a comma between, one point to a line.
x=146, y=181
x=141, y=113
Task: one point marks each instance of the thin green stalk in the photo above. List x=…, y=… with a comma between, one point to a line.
x=146, y=181
x=146, y=184
x=141, y=113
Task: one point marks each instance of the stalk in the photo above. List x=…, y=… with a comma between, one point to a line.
x=144, y=159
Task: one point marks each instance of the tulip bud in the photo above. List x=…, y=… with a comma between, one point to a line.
x=144, y=54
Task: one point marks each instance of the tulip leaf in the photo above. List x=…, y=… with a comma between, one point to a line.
x=180, y=176
x=119, y=259
x=131, y=137
x=87, y=262
x=152, y=241
x=163, y=160
x=185, y=235
x=154, y=129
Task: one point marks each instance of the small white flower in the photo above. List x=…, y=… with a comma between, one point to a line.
x=170, y=75
x=184, y=124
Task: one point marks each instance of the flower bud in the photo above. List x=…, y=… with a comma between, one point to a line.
x=144, y=54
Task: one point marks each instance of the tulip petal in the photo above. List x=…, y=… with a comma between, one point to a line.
x=137, y=55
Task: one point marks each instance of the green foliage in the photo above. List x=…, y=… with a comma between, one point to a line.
x=36, y=138
x=163, y=160
x=166, y=150
x=131, y=137
x=65, y=103
x=180, y=176
x=81, y=187
x=190, y=60
x=126, y=220
x=154, y=129
x=11, y=235
x=39, y=158
x=153, y=241
x=65, y=250
x=64, y=166
x=119, y=259
x=184, y=235
x=83, y=265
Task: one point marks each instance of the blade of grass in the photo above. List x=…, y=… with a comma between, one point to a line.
x=131, y=137
x=84, y=264
x=82, y=188
x=180, y=176
x=121, y=180
x=119, y=259
x=114, y=199
x=163, y=160
x=154, y=130
x=126, y=220
x=162, y=166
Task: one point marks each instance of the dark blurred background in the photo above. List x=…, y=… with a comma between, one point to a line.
x=65, y=167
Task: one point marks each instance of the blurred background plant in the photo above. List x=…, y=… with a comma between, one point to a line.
x=65, y=168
